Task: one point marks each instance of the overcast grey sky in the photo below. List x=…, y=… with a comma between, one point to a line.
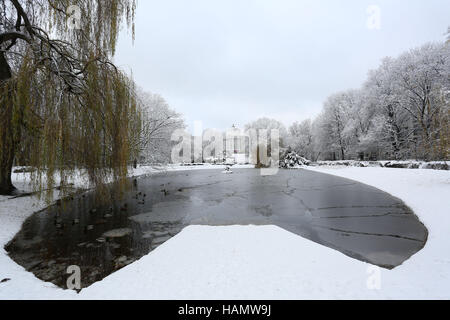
x=231, y=61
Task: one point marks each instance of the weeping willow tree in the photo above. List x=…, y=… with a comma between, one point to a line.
x=64, y=107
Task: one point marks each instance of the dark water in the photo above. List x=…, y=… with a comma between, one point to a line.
x=358, y=220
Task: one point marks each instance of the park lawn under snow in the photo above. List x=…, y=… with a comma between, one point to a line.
x=262, y=262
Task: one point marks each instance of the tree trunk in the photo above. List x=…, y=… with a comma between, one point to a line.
x=7, y=145
x=6, y=163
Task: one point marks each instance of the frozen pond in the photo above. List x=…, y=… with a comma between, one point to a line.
x=358, y=220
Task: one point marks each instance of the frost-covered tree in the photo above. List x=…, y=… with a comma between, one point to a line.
x=402, y=111
x=423, y=77
x=391, y=126
x=335, y=138
x=62, y=100
x=269, y=124
x=256, y=130
x=301, y=138
x=159, y=121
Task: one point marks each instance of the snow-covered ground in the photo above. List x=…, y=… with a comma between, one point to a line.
x=402, y=164
x=262, y=262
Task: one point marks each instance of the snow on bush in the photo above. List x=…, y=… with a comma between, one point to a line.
x=291, y=160
x=406, y=164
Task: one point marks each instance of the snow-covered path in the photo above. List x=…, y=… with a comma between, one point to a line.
x=264, y=262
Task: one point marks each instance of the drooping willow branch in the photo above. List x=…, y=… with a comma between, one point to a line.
x=65, y=106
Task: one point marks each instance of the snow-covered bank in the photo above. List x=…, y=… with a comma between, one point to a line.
x=398, y=164
x=426, y=274
x=265, y=262
x=237, y=262
x=22, y=284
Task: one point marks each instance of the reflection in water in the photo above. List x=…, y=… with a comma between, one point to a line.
x=358, y=220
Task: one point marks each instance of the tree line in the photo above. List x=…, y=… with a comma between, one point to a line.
x=402, y=111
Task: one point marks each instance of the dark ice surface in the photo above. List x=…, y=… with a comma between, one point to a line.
x=358, y=220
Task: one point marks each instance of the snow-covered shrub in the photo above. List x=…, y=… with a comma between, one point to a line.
x=405, y=164
x=435, y=165
x=397, y=165
x=291, y=160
